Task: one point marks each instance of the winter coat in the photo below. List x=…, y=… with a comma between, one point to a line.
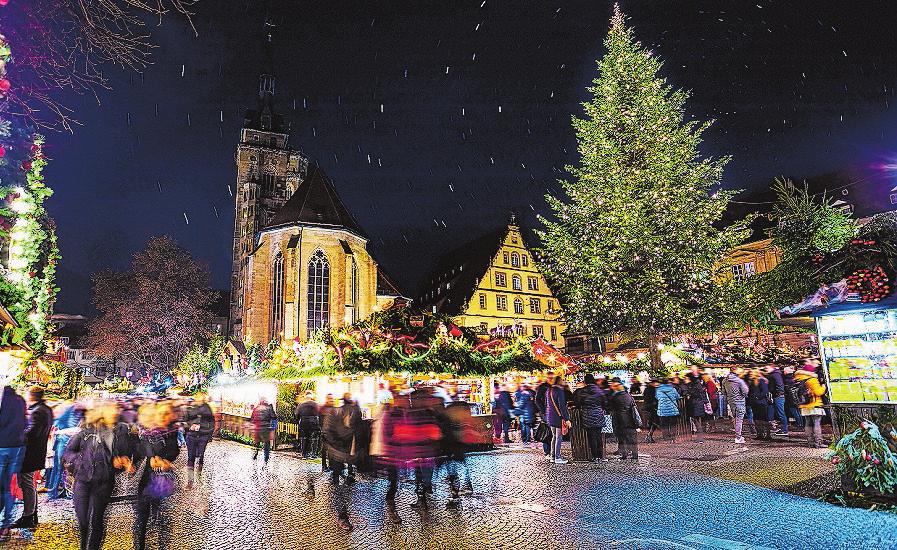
x=712, y=390
x=542, y=397
x=650, y=397
x=758, y=394
x=503, y=404
x=40, y=421
x=307, y=414
x=526, y=408
x=88, y=458
x=776, y=383
x=339, y=429
x=204, y=417
x=667, y=400
x=263, y=418
x=623, y=411
x=591, y=399
x=556, y=407
x=12, y=419
x=814, y=388
x=695, y=399
x=736, y=390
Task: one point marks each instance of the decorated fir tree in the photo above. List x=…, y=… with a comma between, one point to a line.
x=637, y=244
x=864, y=456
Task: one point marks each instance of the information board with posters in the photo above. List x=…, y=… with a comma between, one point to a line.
x=859, y=353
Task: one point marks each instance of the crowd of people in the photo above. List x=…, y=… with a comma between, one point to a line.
x=769, y=399
x=98, y=451
x=95, y=452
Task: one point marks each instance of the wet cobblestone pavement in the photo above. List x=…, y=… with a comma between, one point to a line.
x=521, y=501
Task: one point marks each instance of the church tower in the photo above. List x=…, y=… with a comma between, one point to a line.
x=268, y=173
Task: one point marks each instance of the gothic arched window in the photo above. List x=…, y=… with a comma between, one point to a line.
x=515, y=259
x=277, y=297
x=515, y=283
x=318, y=292
x=518, y=306
x=353, y=288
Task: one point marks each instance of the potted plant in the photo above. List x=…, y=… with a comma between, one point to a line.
x=865, y=461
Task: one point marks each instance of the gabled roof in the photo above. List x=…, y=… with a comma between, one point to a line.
x=385, y=285
x=457, y=274
x=316, y=203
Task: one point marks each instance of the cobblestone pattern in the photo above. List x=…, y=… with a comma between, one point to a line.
x=521, y=501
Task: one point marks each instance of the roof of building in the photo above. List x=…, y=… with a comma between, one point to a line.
x=316, y=203
x=457, y=274
x=385, y=285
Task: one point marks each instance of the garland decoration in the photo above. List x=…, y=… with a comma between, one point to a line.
x=28, y=280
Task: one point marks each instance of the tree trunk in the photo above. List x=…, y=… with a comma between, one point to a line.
x=654, y=353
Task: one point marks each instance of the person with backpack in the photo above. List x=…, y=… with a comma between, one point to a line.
x=12, y=450
x=791, y=396
x=591, y=400
x=809, y=399
x=626, y=419
x=200, y=425
x=92, y=456
x=667, y=408
x=736, y=391
x=37, y=436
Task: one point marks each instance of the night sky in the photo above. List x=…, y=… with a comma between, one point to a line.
x=436, y=120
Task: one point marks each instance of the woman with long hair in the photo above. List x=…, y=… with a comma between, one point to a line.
x=92, y=456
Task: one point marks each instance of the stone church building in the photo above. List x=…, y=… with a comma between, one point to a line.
x=300, y=260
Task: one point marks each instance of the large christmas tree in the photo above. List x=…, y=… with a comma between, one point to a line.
x=637, y=245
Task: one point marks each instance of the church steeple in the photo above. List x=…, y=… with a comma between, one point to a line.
x=264, y=117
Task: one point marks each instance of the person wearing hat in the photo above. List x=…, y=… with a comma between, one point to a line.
x=812, y=410
x=37, y=435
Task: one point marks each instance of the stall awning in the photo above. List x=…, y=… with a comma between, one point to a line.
x=854, y=307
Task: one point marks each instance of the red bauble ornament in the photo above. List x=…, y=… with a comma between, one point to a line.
x=26, y=165
x=5, y=85
x=2, y=151
x=871, y=284
x=32, y=273
x=3, y=3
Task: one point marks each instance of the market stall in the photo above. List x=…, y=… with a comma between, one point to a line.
x=858, y=344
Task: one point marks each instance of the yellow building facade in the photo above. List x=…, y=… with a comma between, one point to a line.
x=494, y=286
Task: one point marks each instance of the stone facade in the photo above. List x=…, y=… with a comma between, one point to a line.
x=297, y=245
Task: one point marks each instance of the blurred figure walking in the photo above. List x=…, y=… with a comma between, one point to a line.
x=92, y=455
x=200, y=425
x=263, y=423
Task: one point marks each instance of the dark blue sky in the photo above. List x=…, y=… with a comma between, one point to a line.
x=476, y=102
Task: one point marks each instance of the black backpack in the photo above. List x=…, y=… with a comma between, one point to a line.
x=798, y=392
